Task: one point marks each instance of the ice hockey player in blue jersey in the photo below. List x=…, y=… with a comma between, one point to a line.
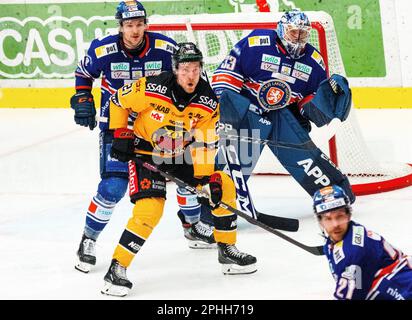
x=275, y=83
x=364, y=265
x=120, y=59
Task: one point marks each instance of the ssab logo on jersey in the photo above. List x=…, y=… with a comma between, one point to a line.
x=274, y=95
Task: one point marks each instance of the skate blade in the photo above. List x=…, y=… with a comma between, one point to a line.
x=194, y=244
x=113, y=290
x=83, y=266
x=231, y=269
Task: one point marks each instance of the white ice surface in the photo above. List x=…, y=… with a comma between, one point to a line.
x=49, y=172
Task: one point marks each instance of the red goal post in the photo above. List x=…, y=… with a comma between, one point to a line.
x=216, y=34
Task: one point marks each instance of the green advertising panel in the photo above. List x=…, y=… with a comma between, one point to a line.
x=45, y=41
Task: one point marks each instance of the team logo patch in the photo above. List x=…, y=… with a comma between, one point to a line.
x=274, y=95
x=171, y=140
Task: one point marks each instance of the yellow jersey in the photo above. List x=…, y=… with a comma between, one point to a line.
x=166, y=124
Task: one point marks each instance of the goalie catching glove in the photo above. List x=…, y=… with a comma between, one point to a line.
x=84, y=110
x=333, y=99
x=123, y=145
x=212, y=191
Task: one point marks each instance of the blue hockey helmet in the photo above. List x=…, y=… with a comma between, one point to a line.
x=127, y=10
x=330, y=198
x=293, y=30
x=186, y=52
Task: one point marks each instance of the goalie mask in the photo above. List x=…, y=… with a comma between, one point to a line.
x=127, y=10
x=330, y=198
x=293, y=30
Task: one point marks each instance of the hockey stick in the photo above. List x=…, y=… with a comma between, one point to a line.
x=263, y=220
x=233, y=168
x=299, y=146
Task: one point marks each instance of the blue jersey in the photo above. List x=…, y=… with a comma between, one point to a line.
x=260, y=57
x=366, y=267
x=106, y=56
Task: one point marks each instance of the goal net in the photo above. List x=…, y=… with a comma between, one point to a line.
x=216, y=34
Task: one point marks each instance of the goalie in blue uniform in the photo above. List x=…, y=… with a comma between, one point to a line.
x=275, y=82
x=364, y=265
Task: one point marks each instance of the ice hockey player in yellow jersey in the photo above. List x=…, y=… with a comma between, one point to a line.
x=177, y=116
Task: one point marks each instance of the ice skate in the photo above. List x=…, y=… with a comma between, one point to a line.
x=115, y=281
x=86, y=255
x=234, y=261
x=199, y=235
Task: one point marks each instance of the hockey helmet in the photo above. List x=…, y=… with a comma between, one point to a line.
x=330, y=198
x=186, y=52
x=293, y=30
x=127, y=10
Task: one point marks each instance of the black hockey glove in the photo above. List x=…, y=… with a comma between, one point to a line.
x=123, y=145
x=84, y=110
x=212, y=191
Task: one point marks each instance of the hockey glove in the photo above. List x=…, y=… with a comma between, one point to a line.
x=333, y=99
x=84, y=110
x=336, y=88
x=212, y=191
x=123, y=145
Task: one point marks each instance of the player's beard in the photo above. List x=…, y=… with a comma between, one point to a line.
x=338, y=233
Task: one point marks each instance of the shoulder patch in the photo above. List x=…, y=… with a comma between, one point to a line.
x=338, y=254
x=164, y=45
x=358, y=236
x=318, y=58
x=106, y=50
x=259, y=41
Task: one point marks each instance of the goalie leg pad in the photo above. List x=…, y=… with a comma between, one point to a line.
x=252, y=125
x=146, y=215
x=233, y=108
x=244, y=120
x=311, y=168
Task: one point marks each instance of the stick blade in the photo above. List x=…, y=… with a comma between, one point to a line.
x=280, y=223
